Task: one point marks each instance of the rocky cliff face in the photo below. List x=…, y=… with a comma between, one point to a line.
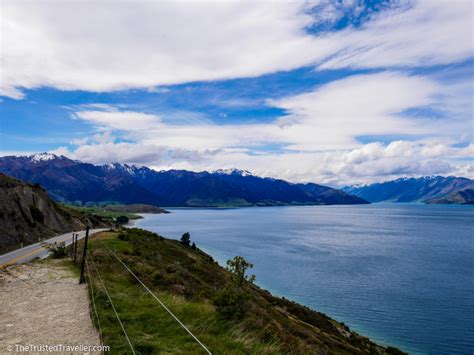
x=27, y=215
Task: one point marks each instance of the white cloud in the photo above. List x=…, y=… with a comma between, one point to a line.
x=329, y=117
x=318, y=135
x=119, y=120
x=79, y=141
x=11, y=92
x=334, y=115
x=417, y=33
x=105, y=45
x=106, y=152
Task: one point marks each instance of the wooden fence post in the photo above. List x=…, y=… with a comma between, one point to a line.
x=82, y=279
x=72, y=247
x=75, y=247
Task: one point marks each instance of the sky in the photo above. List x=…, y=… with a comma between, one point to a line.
x=336, y=92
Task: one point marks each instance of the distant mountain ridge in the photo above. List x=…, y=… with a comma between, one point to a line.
x=72, y=181
x=428, y=189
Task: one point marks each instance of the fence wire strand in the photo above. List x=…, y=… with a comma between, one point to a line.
x=158, y=300
x=93, y=300
x=113, y=307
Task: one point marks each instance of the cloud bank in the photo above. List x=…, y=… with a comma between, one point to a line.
x=318, y=136
x=105, y=45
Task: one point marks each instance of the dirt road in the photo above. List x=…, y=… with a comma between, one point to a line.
x=42, y=304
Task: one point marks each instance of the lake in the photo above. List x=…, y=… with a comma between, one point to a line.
x=401, y=274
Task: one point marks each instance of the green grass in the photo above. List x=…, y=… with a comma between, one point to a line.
x=186, y=280
x=150, y=328
x=101, y=212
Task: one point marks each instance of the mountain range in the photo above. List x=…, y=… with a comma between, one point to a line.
x=428, y=189
x=78, y=182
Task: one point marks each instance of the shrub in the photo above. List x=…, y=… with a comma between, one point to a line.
x=122, y=220
x=36, y=214
x=123, y=236
x=230, y=302
x=58, y=250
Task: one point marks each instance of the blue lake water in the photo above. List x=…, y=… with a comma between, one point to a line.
x=401, y=274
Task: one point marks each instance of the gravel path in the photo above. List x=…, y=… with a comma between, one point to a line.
x=43, y=304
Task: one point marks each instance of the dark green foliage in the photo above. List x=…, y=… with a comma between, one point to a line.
x=230, y=302
x=136, y=233
x=36, y=214
x=193, y=246
x=58, y=250
x=122, y=219
x=123, y=236
x=186, y=239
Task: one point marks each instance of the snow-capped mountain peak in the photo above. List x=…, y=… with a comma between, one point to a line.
x=129, y=169
x=233, y=171
x=35, y=158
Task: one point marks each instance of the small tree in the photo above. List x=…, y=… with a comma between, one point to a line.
x=232, y=300
x=193, y=246
x=186, y=239
x=238, y=266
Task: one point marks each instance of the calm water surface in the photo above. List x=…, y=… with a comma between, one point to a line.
x=400, y=274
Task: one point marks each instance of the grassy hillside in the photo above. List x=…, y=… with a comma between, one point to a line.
x=103, y=212
x=187, y=280
x=464, y=197
x=135, y=208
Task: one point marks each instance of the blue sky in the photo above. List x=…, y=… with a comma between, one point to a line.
x=336, y=92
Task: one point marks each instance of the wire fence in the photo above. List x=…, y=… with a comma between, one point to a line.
x=91, y=287
x=113, y=306
x=129, y=270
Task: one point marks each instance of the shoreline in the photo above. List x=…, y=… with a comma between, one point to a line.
x=292, y=233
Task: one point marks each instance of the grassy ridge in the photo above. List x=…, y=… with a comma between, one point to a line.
x=187, y=280
x=102, y=212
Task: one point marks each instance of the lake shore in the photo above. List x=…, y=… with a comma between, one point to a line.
x=374, y=267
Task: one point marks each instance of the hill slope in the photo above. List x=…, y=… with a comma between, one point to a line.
x=464, y=197
x=187, y=280
x=434, y=189
x=28, y=214
x=71, y=181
